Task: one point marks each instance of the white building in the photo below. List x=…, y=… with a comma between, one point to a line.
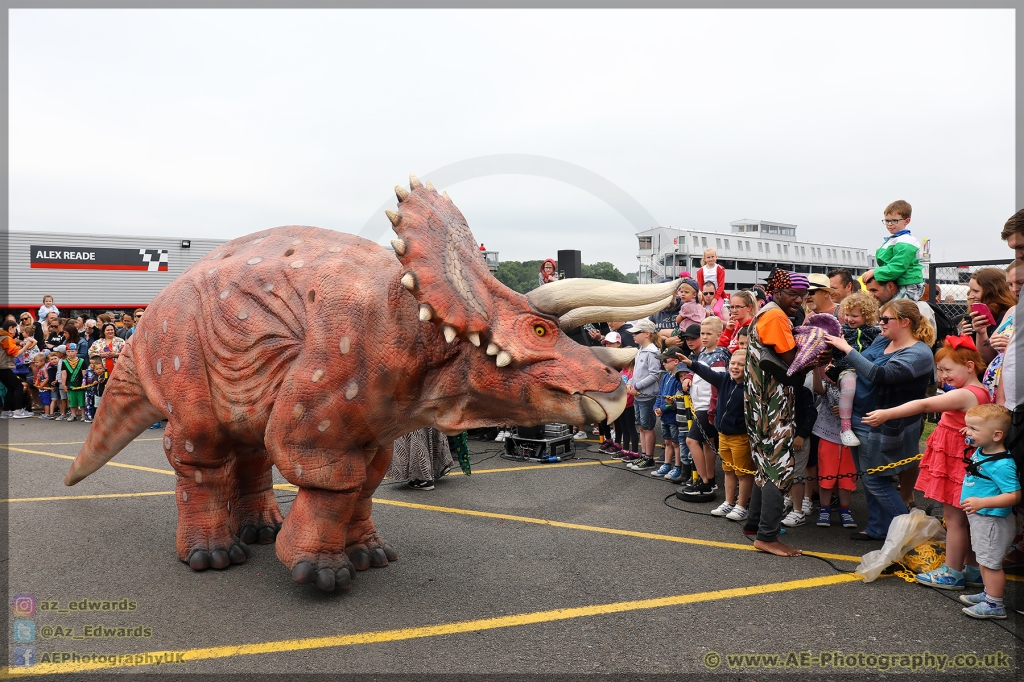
x=748, y=252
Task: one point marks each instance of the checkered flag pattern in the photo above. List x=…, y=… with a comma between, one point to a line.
x=154, y=258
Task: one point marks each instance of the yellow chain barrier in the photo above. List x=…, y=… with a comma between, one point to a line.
x=873, y=470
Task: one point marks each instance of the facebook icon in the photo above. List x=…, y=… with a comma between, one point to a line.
x=24, y=656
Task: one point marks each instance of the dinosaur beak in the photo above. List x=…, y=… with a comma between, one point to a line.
x=599, y=407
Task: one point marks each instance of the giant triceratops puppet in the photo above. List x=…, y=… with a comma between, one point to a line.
x=313, y=350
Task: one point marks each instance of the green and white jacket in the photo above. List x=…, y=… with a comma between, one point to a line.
x=897, y=260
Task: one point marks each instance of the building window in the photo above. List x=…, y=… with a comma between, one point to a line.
x=695, y=240
x=759, y=249
x=748, y=246
x=727, y=243
x=718, y=243
x=778, y=248
x=786, y=248
x=802, y=251
x=704, y=242
x=645, y=243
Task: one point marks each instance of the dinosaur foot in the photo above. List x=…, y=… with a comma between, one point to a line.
x=371, y=551
x=327, y=571
x=264, y=535
x=200, y=559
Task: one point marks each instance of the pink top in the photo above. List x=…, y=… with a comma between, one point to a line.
x=954, y=419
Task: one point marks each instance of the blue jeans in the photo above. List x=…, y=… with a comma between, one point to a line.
x=644, y=414
x=670, y=432
x=883, y=500
x=684, y=449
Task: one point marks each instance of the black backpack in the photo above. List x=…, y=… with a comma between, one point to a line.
x=943, y=325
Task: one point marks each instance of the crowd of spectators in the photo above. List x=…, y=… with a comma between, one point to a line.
x=56, y=367
x=795, y=409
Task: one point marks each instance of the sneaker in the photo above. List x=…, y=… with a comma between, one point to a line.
x=690, y=488
x=579, y=435
x=972, y=577
x=58, y=417
x=972, y=599
x=628, y=457
x=847, y=518
x=87, y=420
x=722, y=509
x=44, y=416
x=662, y=470
x=824, y=517
x=807, y=507
x=675, y=475
x=421, y=485
x=151, y=428
x=985, y=610
x=642, y=464
x=943, y=578
x=787, y=503
x=738, y=513
x=849, y=439
x=7, y=414
x=71, y=418
x=22, y=414
x=708, y=488
x=500, y=437
x=794, y=519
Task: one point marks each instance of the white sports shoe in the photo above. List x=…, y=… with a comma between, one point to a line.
x=722, y=510
x=738, y=513
x=22, y=414
x=793, y=519
x=849, y=439
x=807, y=507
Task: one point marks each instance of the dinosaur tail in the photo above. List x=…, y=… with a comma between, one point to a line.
x=123, y=414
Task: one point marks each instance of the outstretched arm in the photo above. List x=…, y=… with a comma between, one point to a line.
x=959, y=400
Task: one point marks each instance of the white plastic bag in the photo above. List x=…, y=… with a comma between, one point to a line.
x=906, y=532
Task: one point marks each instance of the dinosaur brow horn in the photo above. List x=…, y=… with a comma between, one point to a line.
x=558, y=298
x=614, y=357
x=601, y=313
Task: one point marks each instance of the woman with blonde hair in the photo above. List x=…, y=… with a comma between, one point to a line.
x=893, y=370
x=711, y=271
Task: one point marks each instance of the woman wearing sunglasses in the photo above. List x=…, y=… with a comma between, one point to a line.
x=893, y=370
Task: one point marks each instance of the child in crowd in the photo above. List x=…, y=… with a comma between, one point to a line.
x=733, y=442
x=702, y=437
x=46, y=308
x=665, y=408
x=860, y=310
x=991, y=487
x=897, y=256
x=941, y=474
x=627, y=438
x=41, y=382
x=742, y=339
x=90, y=381
x=72, y=369
x=691, y=312
x=834, y=458
x=711, y=273
x=53, y=381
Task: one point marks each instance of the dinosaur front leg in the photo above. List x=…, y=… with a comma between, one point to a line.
x=364, y=547
x=311, y=542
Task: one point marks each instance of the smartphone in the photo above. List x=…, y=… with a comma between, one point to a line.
x=984, y=311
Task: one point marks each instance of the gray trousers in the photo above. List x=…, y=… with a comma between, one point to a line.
x=765, y=512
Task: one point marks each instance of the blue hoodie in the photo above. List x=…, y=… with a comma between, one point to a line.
x=670, y=385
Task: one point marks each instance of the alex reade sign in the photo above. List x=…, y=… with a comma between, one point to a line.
x=84, y=258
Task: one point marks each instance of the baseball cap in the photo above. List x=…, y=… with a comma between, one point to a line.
x=643, y=326
x=669, y=353
x=692, y=332
x=60, y=349
x=612, y=337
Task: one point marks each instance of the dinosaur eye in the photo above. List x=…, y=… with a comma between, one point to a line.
x=541, y=331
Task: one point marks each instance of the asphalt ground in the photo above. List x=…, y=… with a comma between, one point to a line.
x=576, y=568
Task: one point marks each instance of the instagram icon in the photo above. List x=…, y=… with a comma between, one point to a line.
x=24, y=605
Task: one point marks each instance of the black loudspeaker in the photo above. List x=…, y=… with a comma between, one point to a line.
x=570, y=264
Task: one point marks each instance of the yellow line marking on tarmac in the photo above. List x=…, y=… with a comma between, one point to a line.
x=81, y=442
x=86, y=497
x=458, y=627
x=109, y=464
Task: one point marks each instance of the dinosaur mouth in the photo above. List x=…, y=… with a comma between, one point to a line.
x=599, y=407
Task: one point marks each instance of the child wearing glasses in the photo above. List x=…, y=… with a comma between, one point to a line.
x=859, y=330
x=897, y=256
x=941, y=477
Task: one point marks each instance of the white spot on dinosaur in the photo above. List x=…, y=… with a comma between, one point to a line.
x=211, y=271
x=188, y=446
x=352, y=390
x=165, y=325
x=159, y=366
x=298, y=264
x=199, y=476
x=177, y=363
x=317, y=376
x=224, y=294
x=242, y=314
x=184, y=496
x=334, y=249
x=268, y=287
x=257, y=241
x=298, y=411
x=254, y=261
x=169, y=410
x=167, y=443
x=345, y=345
x=296, y=242
x=324, y=425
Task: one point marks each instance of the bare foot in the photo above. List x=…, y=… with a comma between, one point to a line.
x=776, y=548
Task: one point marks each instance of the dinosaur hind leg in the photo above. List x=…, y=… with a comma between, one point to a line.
x=255, y=516
x=364, y=547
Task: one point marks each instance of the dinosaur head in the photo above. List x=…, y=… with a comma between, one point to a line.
x=509, y=359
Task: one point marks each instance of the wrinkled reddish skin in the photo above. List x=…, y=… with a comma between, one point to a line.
x=248, y=378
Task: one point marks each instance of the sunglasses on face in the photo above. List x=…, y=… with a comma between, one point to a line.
x=882, y=319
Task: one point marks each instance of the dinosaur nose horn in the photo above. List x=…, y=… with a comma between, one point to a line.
x=598, y=407
x=558, y=298
x=598, y=313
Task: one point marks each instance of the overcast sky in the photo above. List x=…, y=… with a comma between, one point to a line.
x=217, y=123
